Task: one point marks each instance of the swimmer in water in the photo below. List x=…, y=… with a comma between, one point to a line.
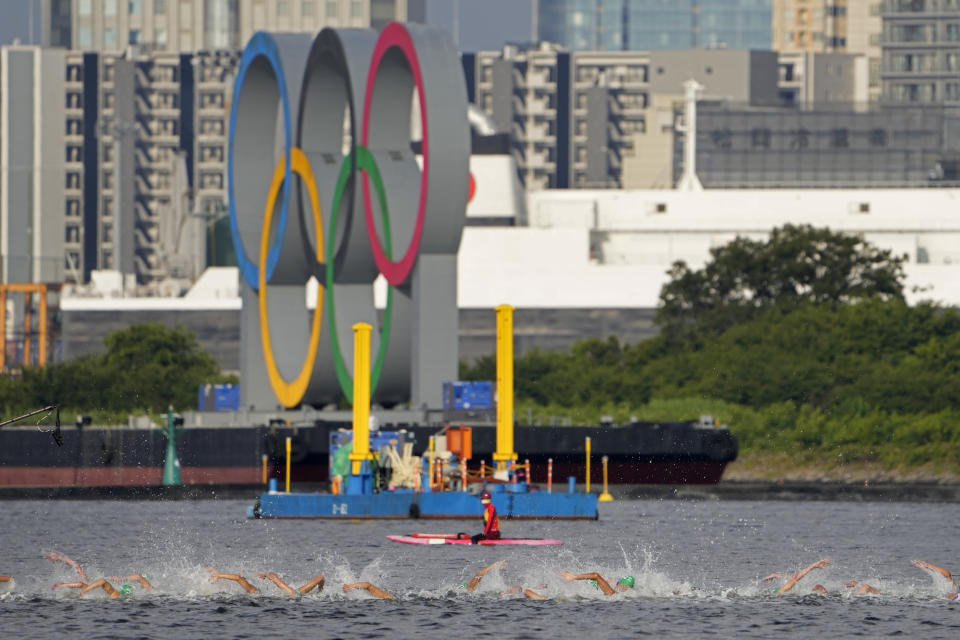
x=864, y=589
x=233, y=577
x=376, y=592
x=819, y=564
x=598, y=582
x=101, y=583
x=953, y=595
x=475, y=581
x=6, y=578
x=57, y=557
x=317, y=583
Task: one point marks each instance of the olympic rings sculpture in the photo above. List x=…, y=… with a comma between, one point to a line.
x=298, y=146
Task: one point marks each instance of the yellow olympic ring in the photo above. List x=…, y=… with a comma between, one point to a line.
x=290, y=393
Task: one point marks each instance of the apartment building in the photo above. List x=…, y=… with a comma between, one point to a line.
x=575, y=116
x=921, y=52
x=195, y=25
x=623, y=25
x=146, y=153
x=831, y=26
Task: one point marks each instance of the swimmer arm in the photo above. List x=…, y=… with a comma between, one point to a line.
x=476, y=579
x=772, y=576
x=920, y=564
x=866, y=588
x=275, y=579
x=57, y=557
x=533, y=595
x=374, y=591
x=819, y=564
x=240, y=580
x=6, y=578
x=70, y=585
x=101, y=583
x=603, y=584
x=317, y=583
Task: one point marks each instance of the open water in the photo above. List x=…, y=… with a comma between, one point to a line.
x=697, y=567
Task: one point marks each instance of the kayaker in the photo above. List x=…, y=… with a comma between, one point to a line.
x=491, y=522
x=598, y=582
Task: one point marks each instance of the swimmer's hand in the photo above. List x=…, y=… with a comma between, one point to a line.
x=772, y=576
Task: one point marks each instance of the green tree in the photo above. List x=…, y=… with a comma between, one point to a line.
x=152, y=366
x=796, y=265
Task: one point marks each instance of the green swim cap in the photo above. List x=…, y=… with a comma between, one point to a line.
x=595, y=585
x=462, y=586
x=627, y=581
x=126, y=589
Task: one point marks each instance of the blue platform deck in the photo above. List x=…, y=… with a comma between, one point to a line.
x=538, y=505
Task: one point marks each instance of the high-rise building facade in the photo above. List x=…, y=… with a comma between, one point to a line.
x=921, y=52
x=614, y=25
x=146, y=153
x=32, y=178
x=195, y=25
x=831, y=26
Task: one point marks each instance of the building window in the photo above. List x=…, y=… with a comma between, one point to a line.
x=134, y=7
x=134, y=36
x=799, y=139
x=356, y=9
x=109, y=37
x=951, y=91
x=760, y=138
x=953, y=32
x=331, y=9
x=307, y=9
x=85, y=7
x=283, y=8
x=840, y=138
x=722, y=138
x=159, y=7
x=84, y=37
x=878, y=138
x=109, y=7
x=73, y=208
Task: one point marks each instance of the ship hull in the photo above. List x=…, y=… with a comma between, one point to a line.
x=675, y=453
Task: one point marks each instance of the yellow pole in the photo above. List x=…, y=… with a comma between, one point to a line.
x=288, y=463
x=42, y=324
x=504, y=453
x=263, y=460
x=605, y=496
x=588, y=464
x=361, y=395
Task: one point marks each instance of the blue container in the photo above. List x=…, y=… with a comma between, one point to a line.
x=226, y=397
x=476, y=395
x=218, y=397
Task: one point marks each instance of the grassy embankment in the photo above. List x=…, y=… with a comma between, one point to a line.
x=798, y=443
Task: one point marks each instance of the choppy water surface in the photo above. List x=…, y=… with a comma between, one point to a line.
x=697, y=567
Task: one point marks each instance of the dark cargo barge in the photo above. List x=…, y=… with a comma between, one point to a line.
x=639, y=453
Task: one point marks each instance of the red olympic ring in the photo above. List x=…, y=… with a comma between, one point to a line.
x=395, y=273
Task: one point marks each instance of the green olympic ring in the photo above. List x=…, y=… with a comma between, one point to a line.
x=365, y=162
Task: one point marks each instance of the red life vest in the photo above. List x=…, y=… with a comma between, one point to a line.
x=491, y=523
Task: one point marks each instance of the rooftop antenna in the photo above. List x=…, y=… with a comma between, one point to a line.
x=689, y=180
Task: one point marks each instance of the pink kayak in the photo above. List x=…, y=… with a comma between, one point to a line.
x=451, y=538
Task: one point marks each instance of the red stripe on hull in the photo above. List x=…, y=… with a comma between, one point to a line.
x=121, y=476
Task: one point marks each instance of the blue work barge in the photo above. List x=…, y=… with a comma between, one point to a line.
x=436, y=486
x=357, y=497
